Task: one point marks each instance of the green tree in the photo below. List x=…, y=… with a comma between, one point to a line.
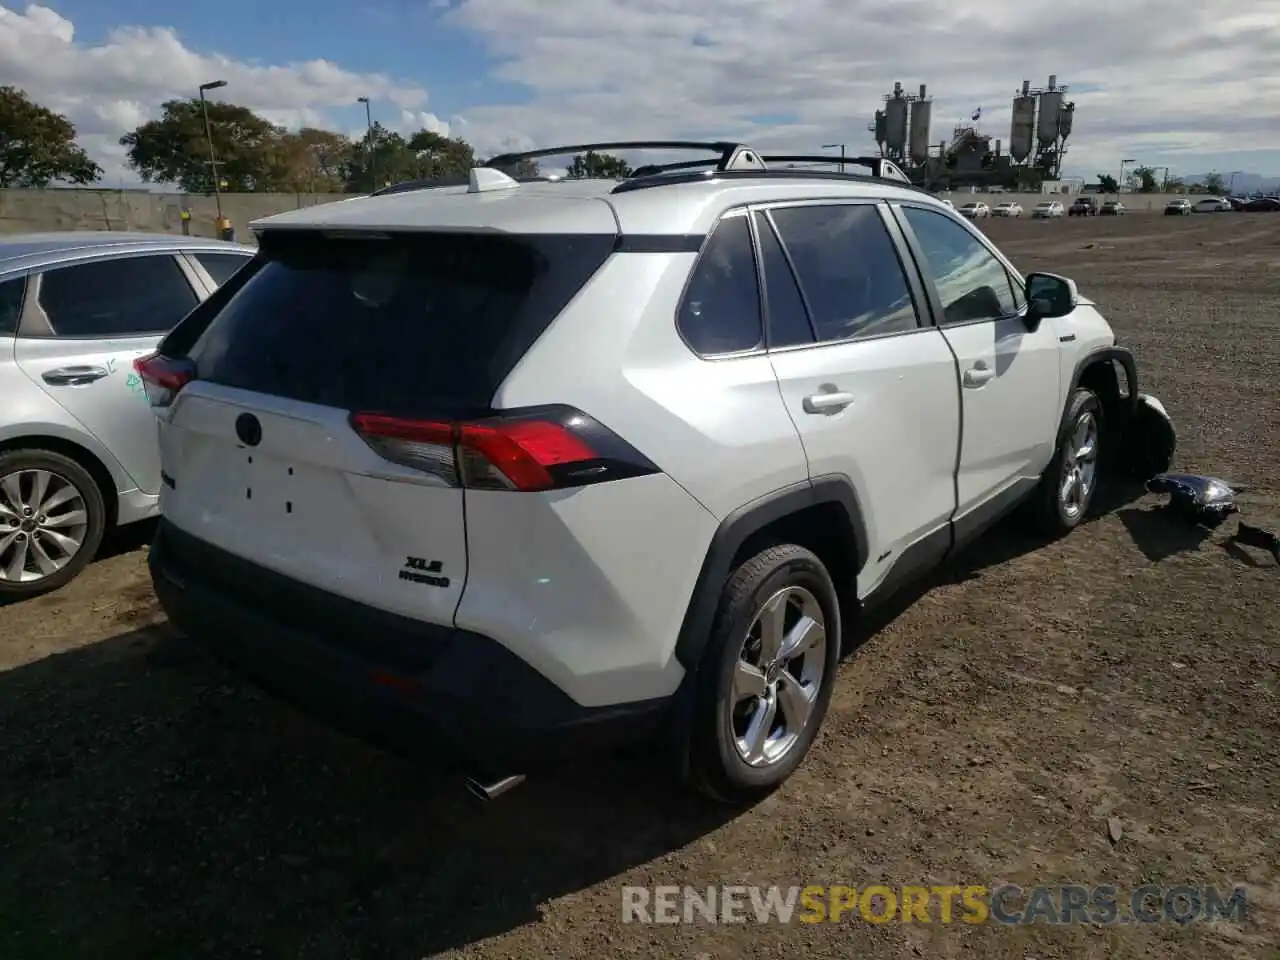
x=436, y=156
x=1108, y=183
x=309, y=161
x=38, y=146
x=1213, y=184
x=391, y=161
x=1145, y=177
x=599, y=165
x=175, y=148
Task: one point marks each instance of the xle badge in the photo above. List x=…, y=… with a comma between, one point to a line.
x=420, y=570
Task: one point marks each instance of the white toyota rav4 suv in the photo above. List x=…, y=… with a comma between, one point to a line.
x=529, y=467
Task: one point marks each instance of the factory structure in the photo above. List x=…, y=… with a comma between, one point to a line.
x=1037, y=143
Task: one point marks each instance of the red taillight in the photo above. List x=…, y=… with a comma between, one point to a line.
x=513, y=455
x=163, y=377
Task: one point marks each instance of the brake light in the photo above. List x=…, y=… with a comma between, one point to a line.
x=552, y=448
x=162, y=377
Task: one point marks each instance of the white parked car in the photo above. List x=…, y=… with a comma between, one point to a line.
x=1008, y=208
x=1212, y=205
x=1181, y=207
x=1048, y=209
x=975, y=210
x=519, y=464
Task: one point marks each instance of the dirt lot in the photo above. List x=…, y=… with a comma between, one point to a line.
x=152, y=806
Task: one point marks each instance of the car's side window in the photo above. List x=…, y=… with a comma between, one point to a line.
x=848, y=269
x=972, y=284
x=220, y=266
x=789, y=324
x=11, y=292
x=121, y=297
x=720, y=312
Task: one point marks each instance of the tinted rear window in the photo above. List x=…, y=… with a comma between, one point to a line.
x=412, y=324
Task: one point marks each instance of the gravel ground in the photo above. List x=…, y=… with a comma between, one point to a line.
x=1018, y=709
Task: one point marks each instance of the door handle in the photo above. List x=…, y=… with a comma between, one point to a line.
x=978, y=374
x=74, y=376
x=827, y=402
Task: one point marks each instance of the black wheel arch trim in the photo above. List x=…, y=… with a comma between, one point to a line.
x=1113, y=354
x=735, y=530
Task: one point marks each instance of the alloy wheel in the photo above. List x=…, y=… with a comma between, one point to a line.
x=777, y=677
x=43, y=524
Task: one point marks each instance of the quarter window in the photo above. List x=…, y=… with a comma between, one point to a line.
x=972, y=284
x=720, y=312
x=848, y=269
x=128, y=296
x=220, y=266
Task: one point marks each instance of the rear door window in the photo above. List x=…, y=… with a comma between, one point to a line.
x=120, y=297
x=408, y=324
x=848, y=268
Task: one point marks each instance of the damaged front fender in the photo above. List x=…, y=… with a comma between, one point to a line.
x=1150, y=438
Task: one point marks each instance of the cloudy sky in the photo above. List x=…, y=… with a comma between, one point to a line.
x=1194, y=86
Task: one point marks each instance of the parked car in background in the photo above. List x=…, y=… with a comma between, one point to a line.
x=975, y=210
x=1083, y=207
x=1262, y=205
x=1047, y=210
x=78, y=443
x=1212, y=205
x=1112, y=208
x=1007, y=209
x=1180, y=207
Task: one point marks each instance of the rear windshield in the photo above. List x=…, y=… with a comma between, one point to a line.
x=408, y=324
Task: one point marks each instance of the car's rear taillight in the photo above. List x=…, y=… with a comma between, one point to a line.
x=527, y=450
x=163, y=377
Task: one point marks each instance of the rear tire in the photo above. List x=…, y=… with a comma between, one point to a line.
x=766, y=678
x=1069, y=485
x=52, y=518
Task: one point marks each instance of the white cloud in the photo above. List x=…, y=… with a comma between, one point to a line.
x=1151, y=79
x=1155, y=77
x=110, y=87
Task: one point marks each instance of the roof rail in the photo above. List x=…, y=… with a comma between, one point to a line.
x=731, y=156
x=879, y=166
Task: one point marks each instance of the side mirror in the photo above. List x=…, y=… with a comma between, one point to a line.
x=1049, y=296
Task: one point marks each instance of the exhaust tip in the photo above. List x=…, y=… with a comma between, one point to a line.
x=494, y=789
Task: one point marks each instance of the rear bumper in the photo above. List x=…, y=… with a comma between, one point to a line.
x=423, y=691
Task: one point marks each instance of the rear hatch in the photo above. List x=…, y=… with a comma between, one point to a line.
x=310, y=431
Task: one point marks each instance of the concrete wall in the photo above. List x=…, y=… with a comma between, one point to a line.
x=59, y=209
x=30, y=210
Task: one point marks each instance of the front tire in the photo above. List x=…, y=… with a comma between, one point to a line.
x=52, y=518
x=1069, y=484
x=766, y=678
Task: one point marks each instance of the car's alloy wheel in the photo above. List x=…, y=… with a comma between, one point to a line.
x=1079, y=467
x=778, y=677
x=52, y=518
x=43, y=523
x=763, y=684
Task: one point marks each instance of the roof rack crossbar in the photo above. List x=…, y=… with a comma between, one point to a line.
x=726, y=149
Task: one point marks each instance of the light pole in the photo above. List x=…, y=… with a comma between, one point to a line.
x=1123, y=164
x=832, y=146
x=373, y=163
x=222, y=225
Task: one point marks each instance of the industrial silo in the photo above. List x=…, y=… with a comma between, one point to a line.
x=1022, y=132
x=881, y=128
x=895, y=119
x=921, y=117
x=1050, y=110
x=1065, y=116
